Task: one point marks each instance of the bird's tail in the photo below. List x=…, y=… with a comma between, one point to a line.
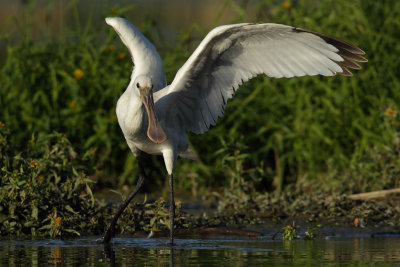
x=189, y=154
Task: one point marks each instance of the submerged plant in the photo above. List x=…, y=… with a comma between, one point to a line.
x=310, y=233
x=289, y=232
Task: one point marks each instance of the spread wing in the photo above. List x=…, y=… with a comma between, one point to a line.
x=233, y=54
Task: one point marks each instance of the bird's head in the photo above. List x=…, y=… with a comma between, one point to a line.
x=154, y=131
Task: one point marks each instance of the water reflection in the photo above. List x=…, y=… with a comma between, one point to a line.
x=109, y=254
x=157, y=252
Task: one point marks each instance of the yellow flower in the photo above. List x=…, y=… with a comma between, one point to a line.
x=109, y=48
x=113, y=118
x=286, y=5
x=289, y=227
x=58, y=221
x=78, y=73
x=121, y=56
x=2, y=124
x=41, y=178
x=390, y=112
x=356, y=222
x=94, y=151
x=72, y=104
x=114, y=10
x=32, y=164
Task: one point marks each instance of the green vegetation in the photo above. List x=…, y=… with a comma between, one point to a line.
x=43, y=188
x=294, y=136
x=289, y=232
x=45, y=192
x=310, y=233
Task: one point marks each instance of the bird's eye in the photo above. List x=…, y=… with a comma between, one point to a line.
x=137, y=85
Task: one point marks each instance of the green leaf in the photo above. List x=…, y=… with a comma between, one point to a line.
x=46, y=227
x=35, y=212
x=70, y=209
x=72, y=231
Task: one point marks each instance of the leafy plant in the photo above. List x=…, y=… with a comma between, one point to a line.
x=310, y=233
x=43, y=188
x=289, y=232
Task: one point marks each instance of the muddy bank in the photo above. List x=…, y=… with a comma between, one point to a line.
x=322, y=216
x=242, y=214
x=267, y=215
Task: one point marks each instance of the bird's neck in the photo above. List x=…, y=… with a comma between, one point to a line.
x=131, y=115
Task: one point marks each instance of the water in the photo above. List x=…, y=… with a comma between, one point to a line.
x=217, y=251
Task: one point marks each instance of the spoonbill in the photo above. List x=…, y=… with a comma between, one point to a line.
x=153, y=116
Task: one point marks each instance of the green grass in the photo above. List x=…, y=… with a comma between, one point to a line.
x=330, y=134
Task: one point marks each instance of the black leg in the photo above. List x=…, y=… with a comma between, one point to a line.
x=171, y=258
x=171, y=208
x=110, y=232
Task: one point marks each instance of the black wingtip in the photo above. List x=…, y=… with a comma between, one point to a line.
x=350, y=53
x=346, y=72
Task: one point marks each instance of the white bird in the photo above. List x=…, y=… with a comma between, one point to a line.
x=153, y=116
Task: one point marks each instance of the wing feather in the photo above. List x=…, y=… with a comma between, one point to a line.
x=233, y=54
